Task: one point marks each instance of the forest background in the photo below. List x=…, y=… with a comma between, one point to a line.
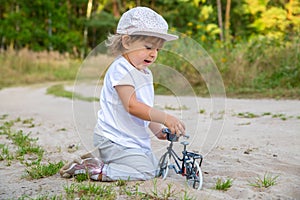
x=254, y=43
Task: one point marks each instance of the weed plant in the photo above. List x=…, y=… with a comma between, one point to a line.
x=252, y=115
x=170, y=107
x=223, y=185
x=247, y=115
x=26, y=146
x=265, y=182
x=41, y=171
x=90, y=191
x=81, y=177
x=84, y=188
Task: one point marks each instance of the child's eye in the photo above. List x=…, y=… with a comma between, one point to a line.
x=148, y=47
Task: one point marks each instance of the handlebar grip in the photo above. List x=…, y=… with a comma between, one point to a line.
x=166, y=130
x=170, y=136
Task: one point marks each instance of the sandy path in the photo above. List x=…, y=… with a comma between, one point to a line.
x=247, y=147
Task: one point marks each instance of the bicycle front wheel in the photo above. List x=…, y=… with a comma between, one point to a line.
x=164, y=163
x=194, y=175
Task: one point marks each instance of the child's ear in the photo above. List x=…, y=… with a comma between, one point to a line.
x=126, y=41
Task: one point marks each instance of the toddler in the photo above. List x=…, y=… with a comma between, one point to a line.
x=127, y=118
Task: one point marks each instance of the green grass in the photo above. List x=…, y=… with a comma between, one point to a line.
x=5, y=154
x=247, y=115
x=223, y=185
x=170, y=107
x=245, y=72
x=253, y=115
x=27, y=67
x=97, y=190
x=202, y=111
x=24, y=144
x=84, y=188
x=268, y=180
x=82, y=177
x=59, y=91
x=41, y=171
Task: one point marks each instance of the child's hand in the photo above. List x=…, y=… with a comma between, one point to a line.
x=175, y=125
x=160, y=135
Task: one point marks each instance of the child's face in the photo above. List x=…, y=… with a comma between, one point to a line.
x=142, y=53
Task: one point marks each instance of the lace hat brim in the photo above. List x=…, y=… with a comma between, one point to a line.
x=165, y=36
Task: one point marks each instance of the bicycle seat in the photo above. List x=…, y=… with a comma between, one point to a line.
x=184, y=143
x=194, y=155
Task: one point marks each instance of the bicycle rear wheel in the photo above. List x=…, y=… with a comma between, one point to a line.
x=164, y=163
x=194, y=175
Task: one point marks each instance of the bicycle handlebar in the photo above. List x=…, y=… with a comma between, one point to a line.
x=172, y=137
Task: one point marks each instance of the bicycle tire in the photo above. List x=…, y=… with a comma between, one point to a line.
x=164, y=163
x=194, y=175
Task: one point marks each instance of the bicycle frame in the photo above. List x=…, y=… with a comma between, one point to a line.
x=173, y=154
x=185, y=154
x=189, y=166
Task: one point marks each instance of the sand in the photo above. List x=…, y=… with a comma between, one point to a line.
x=240, y=148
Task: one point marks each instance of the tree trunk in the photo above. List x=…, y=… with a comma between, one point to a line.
x=227, y=21
x=153, y=4
x=116, y=11
x=138, y=3
x=85, y=32
x=289, y=14
x=220, y=20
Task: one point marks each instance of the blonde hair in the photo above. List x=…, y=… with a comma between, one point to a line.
x=115, y=46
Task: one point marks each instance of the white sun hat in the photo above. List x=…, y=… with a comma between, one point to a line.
x=144, y=21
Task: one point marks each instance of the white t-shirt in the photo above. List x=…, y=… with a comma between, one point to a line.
x=114, y=122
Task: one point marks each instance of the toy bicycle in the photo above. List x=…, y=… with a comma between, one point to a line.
x=190, y=162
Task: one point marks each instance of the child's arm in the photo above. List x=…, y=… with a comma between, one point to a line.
x=145, y=112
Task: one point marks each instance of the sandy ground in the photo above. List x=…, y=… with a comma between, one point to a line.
x=240, y=148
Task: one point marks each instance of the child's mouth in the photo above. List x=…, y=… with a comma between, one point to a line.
x=147, y=61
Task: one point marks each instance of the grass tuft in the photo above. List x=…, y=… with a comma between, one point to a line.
x=223, y=185
x=267, y=181
x=41, y=171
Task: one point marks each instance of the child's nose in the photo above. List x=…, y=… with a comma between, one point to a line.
x=153, y=52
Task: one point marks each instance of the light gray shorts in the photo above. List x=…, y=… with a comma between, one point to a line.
x=123, y=163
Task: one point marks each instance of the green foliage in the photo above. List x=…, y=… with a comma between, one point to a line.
x=278, y=62
x=24, y=145
x=90, y=191
x=247, y=115
x=60, y=26
x=25, y=66
x=261, y=55
x=267, y=181
x=223, y=185
x=82, y=177
x=263, y=65
x=100, y=24
x=5, y=154
x=41, y=171
x=273, y=20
